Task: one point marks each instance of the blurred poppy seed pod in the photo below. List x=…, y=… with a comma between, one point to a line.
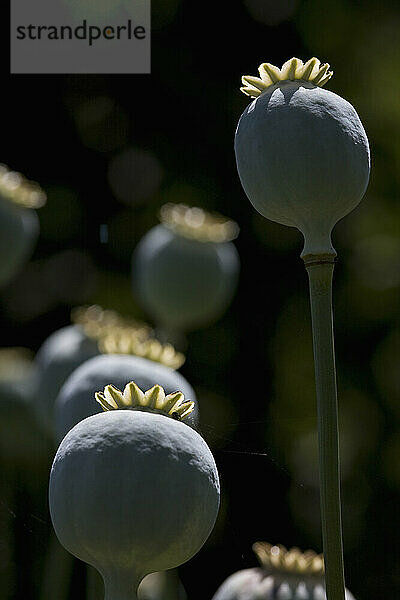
x=75, y=400
x=134, y=491
x=67, y=348
x=283, y=575
x=19, y=224
x=302, y=153
x=162, y=585
x=60, y=354
x=185, y=270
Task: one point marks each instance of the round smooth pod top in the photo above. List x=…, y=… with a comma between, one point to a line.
x=61, y=353
x=131, y=493
x=184, y=283
x=76, y=398
x=19, y=229
x=302, y=155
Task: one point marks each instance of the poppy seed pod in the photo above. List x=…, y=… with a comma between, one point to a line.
x=185, y=270
x=60, y=354
x=75, y=400
x=134, y=491
x=67, y=348
x=302, y=153
x=283, y=575
x=19, y=224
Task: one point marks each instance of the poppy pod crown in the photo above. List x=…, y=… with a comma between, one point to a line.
x=97, y=322
x=294, y=69
x=277, y=558
x=154, y=400
x=197, y=224
x=19, y=190
x=126, y=341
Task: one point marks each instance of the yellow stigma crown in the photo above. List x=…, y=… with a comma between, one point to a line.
x=154, y=400
x=19, y=190
x=293, y=69
x=197, y=224
x=125, y=341
x=97, y=322
x=280, y=559
x=16, y=364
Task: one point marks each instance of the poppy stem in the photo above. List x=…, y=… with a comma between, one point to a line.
x=121, y=585
x=94, y=584
x=320, y=274
x=57, y=572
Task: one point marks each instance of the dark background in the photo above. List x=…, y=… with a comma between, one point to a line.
x=253, y=369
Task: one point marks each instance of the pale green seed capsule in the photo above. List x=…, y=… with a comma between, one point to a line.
x=185, y=270
x=133, y=492
x=302, y=153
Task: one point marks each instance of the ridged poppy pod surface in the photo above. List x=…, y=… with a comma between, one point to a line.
x=19, y=223
x=76, y=398
x=283, y=575
x=185, y=270
x=134, y=491
x=302, y=153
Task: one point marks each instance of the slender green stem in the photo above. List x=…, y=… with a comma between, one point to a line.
x=7, y=564
x=57, y=572
x=320, y=273
x=94, y=584
x=121, y=585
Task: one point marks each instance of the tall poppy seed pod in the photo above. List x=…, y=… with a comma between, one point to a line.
x=283, y=575
x=302, y=153
x=67, y=348
x=185, y=270
x=75, y=400
x=134, y=490
x=303, y=159
x=19, y=224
